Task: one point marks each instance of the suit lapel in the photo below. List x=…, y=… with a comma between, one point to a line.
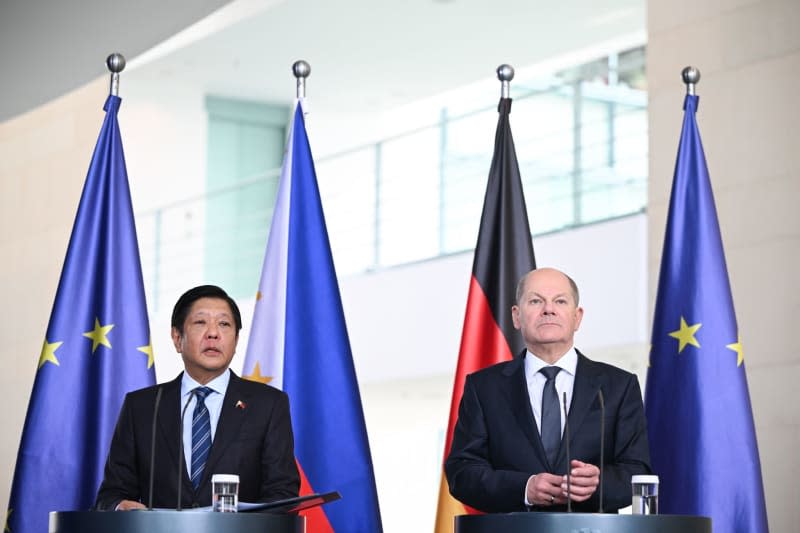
x=520, y=405
x=230, y=421
x=169, y=426
x=584, y=393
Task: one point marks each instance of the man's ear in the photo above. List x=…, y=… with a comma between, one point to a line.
x=578, y=317
x=176, y=339
x=515, y=316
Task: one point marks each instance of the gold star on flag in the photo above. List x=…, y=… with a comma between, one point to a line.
x=685, y=335
x=738, y=348
x=98, y=335
x=258, y=295
x=48, y=354
x=149, y=351
x=256, y=375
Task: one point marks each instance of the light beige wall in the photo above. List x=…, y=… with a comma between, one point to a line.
x=748, y=52
x=44, y=156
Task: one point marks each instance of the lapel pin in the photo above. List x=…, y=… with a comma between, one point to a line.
x=240, y=405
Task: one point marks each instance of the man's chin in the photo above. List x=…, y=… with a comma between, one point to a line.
x=215, y=364
x=553, y=338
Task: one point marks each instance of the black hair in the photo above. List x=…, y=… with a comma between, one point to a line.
x=184, y=305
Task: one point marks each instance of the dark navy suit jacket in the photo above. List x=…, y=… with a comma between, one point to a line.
x=253, y=439
x=497, y=447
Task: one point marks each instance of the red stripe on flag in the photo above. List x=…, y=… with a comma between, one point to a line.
x=316, y=520
x=482, y=344
x=503, y=254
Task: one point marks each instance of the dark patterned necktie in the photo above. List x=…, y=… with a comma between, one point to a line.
x=201, y=435
x=551, y=415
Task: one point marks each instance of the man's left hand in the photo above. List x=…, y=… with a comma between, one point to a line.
x=583, y=481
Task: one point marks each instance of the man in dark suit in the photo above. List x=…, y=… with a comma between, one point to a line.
x=246, y=424
x=508, y=453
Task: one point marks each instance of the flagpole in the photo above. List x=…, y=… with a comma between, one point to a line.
x=505, y=73
x=691, y=76
x=301, y=70
x=116, y=64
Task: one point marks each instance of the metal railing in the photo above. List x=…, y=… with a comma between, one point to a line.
x=582, y=152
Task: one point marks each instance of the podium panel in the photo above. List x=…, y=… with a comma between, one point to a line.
x=172, y=522
x=581, y=523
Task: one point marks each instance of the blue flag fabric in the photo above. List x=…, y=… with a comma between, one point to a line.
x=96, y=349
x=299, y=341
x=700, y=423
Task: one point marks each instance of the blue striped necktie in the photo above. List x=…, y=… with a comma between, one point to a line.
x=201, y=435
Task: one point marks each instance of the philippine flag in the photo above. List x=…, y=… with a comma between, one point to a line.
x=299, y=343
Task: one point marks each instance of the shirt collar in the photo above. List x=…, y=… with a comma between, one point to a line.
x=218, y=384
x=567, y=362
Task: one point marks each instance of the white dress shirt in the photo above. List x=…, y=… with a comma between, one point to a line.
x=213, y=403
x=565, y=381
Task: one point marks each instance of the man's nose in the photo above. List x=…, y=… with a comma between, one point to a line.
x=548, y=308
x=213, y=331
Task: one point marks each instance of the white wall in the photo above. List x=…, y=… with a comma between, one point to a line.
x=748, y=52
x=44, y=156
x=405, y=322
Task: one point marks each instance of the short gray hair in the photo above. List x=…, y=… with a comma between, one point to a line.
x=572, y=285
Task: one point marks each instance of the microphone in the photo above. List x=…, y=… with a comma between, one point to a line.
x=569, y=458
x=153, y=448
x=181, y=458
x=602, y=444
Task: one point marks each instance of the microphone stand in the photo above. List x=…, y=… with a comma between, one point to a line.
x=602, y=444
x=569, y=458
x=181, y=459
x=153, y=449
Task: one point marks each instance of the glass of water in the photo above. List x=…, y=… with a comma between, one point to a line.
x=225, y=493
x=645, y=494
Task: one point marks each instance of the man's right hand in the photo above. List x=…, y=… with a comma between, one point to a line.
x=129, y=505
x=545, y=490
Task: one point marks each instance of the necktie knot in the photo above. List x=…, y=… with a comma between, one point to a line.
x=202, y=393
x=550, y=372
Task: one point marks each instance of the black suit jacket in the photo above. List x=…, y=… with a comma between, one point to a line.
x=253, y=439
x=497, y=447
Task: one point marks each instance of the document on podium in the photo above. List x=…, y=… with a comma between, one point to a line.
x=291, y=505
x=288, y=505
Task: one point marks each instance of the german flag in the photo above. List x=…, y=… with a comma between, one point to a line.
x=504, y=253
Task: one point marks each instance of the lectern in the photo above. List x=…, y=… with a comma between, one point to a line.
x=581, y=522
x=172, y=522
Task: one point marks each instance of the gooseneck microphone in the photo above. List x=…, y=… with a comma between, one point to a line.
x=153, y=448
x=602, y=444
x=569, y=457
x=181, y=458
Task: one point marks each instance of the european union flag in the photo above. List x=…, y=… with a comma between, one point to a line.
x=700, y=424
x=96, y=349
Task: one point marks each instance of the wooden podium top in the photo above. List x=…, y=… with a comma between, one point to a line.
x=581, y=522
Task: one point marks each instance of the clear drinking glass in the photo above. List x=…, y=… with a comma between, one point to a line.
x=225, y=493
x=645, y=494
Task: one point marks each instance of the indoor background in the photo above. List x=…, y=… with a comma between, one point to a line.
x=402, y=99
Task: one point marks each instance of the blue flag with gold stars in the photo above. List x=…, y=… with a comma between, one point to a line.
x=97, y=348
x=700, y=424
